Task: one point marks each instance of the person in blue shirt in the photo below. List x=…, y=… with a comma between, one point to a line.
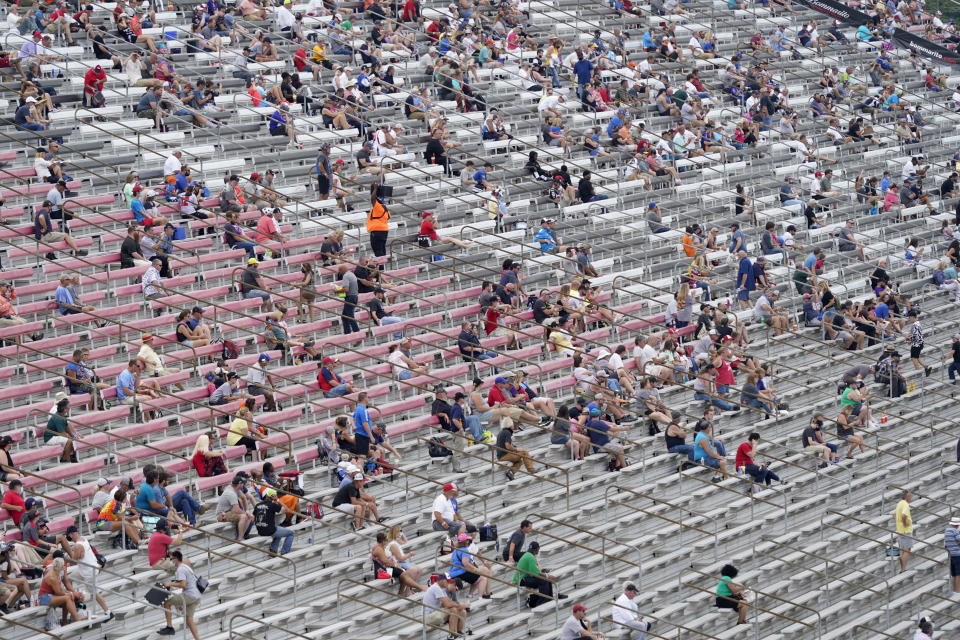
x=804, y=36
x=708, y=452
x=480, y=177
x=66, y=302
x=597, y=42
x=648, y=43
x=182, y=179
x=363, y=428
x=583, y=70
x=892, y=101
x=548, y=242
x=465, y=568
x=810, y=262
x=616, y=121
x=864, y=34
x=885, y=182
x=738, y=242
x=599, y=433
x=142, y=208
x=130, y=390
x=281, y=124
x=745, y=280
x=363, y=80
x=147, y=500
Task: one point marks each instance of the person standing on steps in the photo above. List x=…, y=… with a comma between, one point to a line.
x=904, y=528
x=951, y=542
x=378, y=221
x=187, y=600
x=915, y=338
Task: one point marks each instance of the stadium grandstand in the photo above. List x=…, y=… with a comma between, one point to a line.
x=549, y=319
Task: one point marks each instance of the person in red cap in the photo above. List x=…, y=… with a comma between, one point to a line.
x=254, y=190
x=330, y=383
x=30, y=48
x=428, y=234
x=92, y=84
x=577, y=627
x=446, y=515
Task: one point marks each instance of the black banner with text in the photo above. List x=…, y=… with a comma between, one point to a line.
x=838, y=11
x=925, y=48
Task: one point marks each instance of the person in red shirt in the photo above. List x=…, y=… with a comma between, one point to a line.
x=93, y=82
x=411, y=11
x=57, y=21
x=428, y=233
x=13, y=502
x=745, y=463
x=433, y=31
x=267, y=227
x=330, y=383
x=159, y=544
x=500, y=396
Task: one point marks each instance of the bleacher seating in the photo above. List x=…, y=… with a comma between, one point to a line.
x=812, y=551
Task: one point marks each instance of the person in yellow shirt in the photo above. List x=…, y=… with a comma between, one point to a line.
x=244, y=432
x=904, y=528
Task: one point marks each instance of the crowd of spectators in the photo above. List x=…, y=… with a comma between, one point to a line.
x=614, y=386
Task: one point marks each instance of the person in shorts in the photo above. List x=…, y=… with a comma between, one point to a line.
x=187, y=600
x=951, y=542
x=442, y=608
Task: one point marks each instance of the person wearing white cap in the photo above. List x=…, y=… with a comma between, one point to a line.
x=348, y=500
x=103, y=495
x=951, y=541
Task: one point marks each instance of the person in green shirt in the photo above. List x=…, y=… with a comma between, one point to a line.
x=730, y=594
x=856, y=395
x=530, y=575
x=59, y=431
x=679, y=97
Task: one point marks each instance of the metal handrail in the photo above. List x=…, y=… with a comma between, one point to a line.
x=423, y=605
x=232, y=558
x=657, y=500
x=860, y=535
x=815, y=471
x=27, y=626
x=755, y=605
x=262, y=622
x=696, y=632
x=826, y=574
x=494, y=463
x=517, y=571
x=872, y=630
x=421, y=342
x=60, y=484
x=920, y=608
x=883, y=498
x=749, y=494
x=603, y=545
